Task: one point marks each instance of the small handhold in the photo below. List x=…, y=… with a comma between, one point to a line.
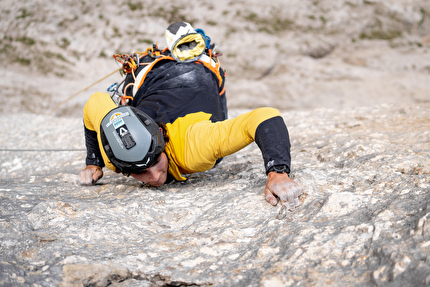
x=282, y=213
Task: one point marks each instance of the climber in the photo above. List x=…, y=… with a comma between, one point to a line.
x=171, y=121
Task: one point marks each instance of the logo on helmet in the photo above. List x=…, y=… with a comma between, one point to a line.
x=116, y=119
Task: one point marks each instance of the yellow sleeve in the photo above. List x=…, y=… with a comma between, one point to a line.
x=95, y=110
x=205, y=141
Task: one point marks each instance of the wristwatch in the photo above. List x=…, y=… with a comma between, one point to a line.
x=279, y=168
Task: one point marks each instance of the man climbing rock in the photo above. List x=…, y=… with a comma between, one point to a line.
x=170, y=120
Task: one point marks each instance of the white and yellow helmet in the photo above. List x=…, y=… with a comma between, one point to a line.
x=185, y=44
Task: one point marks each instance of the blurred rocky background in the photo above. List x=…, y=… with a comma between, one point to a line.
x=289, y=54
x=352, y=81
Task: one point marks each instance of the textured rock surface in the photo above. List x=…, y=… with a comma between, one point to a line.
x=364, y=165
x=364, y=218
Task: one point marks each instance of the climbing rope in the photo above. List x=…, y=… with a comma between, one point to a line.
x=74, y=95
x=41, y=150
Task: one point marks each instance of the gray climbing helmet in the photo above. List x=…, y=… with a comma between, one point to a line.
x=131, y=139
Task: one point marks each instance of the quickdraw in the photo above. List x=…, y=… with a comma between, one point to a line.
x=153, y=51
x=129, y=63
x=117, y=96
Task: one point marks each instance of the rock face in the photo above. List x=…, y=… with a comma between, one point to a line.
x=364, y=218
x=351, y=78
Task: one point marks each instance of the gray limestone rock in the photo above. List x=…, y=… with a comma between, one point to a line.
x=364, y=218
